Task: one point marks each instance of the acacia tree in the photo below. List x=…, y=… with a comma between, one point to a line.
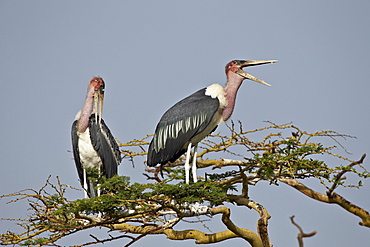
x=286, y=154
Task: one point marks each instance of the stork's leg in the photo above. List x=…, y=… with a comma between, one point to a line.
x=98, y=191
x=85, y=184
x=187, y=166
x=194, y=167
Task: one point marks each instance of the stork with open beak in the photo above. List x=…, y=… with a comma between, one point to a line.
x=190, y=120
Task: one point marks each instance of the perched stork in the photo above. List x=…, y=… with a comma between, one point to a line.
x=193, y=118
x=93, y=143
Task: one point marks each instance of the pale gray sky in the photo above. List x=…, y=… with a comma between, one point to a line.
x=152, y=54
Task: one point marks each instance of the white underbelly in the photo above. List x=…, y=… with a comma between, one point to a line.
x=88, y=156
x=216, y=120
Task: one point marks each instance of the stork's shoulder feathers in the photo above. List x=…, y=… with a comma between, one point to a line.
x=217, y=91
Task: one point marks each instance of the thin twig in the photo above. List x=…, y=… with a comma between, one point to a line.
x=301, y=234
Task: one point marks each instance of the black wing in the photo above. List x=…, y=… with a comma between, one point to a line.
x=178, y=125
x=106, y=146
x=76, y=154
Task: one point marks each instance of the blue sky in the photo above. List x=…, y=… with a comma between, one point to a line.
x=152, y=54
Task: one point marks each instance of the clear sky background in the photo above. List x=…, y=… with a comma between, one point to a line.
x=151, y=54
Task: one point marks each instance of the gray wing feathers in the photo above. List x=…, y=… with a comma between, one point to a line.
x=76, y=154
x=179, y=124
x=106, y=146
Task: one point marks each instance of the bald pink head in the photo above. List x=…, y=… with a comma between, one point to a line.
x=97, y=83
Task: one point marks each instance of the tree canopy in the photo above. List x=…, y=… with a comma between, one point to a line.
x=284, y=154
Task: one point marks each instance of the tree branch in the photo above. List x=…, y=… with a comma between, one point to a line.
x=248, y=235
x=334, y=198
x=200, y=237
x=244, y=200
x=338, y=177
x=301, y=234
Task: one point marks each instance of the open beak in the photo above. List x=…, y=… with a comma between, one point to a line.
x=243, y=64
x=98, y=104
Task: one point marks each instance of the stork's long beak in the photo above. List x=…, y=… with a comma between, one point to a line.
x=243, y=64
x=98, y=104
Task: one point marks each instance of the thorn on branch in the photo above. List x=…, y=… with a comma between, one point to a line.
x=301, y=234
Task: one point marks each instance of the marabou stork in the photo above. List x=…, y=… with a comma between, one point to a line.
x=193, y=118
x=93, y=144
